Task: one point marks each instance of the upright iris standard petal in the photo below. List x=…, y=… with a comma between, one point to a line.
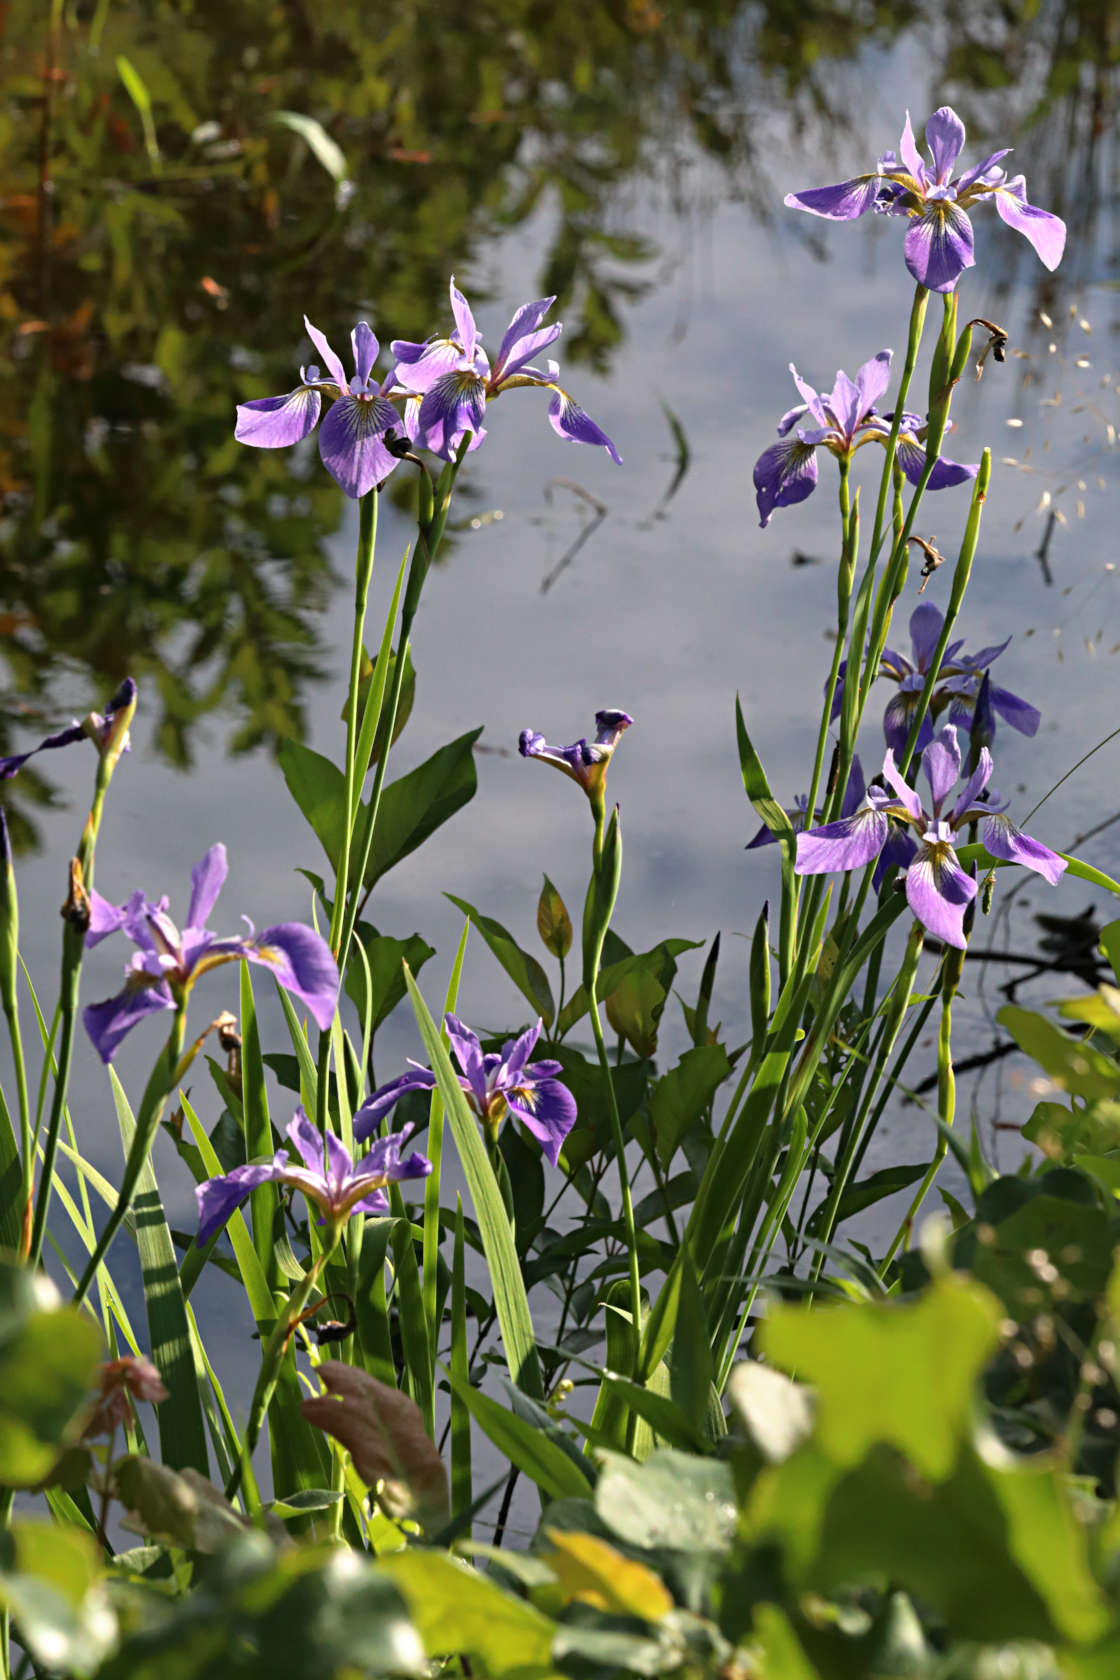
x=207, y=880
x=938, y=245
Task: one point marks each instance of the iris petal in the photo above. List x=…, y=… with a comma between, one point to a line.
x=351, y=443
x=276, y=422
x=938, y=245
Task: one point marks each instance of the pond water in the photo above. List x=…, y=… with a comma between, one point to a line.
x=634, y=160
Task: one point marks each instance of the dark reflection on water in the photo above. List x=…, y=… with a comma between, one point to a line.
x=166, y=226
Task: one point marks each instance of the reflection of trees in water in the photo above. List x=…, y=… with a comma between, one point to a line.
x=152, y=275
x=147, y=281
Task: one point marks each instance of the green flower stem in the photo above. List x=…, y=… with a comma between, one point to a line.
x=896, y=1007
x=603, y=891
x=27, y=1134
x=913, y=343
x=849, y=517
x=946, y=1099
x=76, y=915
x=434, y=510
x=961, y=574
x=272, y=1359
x=161, y=1082
x=363, y=576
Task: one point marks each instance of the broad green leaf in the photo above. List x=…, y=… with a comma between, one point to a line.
x=879, y=1521
x=386, y=978
x=49, y=1581
x=634, y=1010
x=525, y=971
x=553, y=922
x=1100, y=1009
x=457, y=1609
x=529, y=1448
x=48, y=1362
x=776, y=1412
x=417, y=804
x=660, y=961
x=178, y=1506
x=886, y=1372
x=680, y=1098
x=675, y=1507
x=1077, y=1067
x=182, y=1428
x=319, y=789
x=411, y=808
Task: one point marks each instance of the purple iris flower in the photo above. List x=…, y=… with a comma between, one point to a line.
x=938, y=243
x=585, y=762
x=454, y=380
x=328, y=1177
x=958, y=684
x=937, y=888
x=496, y=1084
x=96, y=727
x=844, y=421
x=352, y=439
x=167, y=963
x=798, y=814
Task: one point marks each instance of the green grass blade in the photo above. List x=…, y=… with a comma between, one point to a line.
x=462, y=1487
x=510, y=1300
x=182, y=1431
x=434, y=1151
x=264, y=1202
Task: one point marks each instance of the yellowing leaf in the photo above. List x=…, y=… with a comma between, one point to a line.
x=593, y=1572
